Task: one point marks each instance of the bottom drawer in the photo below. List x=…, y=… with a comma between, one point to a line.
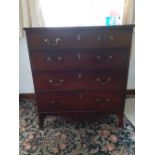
x=80, y=101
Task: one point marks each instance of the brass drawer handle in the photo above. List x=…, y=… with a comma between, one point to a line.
x=110, y=38
x=99, y=38
x=50, y=43
x=104, y=81
x=54, y=59
x=103, y=59
x=56, y=83
x=80, y=75
x=102, y=101
x=57, y=102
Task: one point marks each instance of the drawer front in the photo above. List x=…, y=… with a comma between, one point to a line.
x=82, y=39
x=79, y=80
x=79, y=59
x=82, y=101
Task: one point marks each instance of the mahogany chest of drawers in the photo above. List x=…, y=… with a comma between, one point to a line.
x=80, y=71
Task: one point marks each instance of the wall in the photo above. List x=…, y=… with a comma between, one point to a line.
x=131, y=74
x=25, y=75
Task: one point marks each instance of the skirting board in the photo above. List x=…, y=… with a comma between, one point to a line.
x=27, y=96
x=129, y=93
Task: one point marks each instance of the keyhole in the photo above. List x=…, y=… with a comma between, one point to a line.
x=78, y=37
x=80, y=75
x=79, y=56
x=80, y=96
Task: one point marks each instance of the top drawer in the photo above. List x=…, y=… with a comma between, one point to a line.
x=61, y=38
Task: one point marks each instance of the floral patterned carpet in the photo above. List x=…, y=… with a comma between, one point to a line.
x=67, y=137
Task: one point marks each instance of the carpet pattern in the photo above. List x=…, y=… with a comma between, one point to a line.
x=67, y=137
